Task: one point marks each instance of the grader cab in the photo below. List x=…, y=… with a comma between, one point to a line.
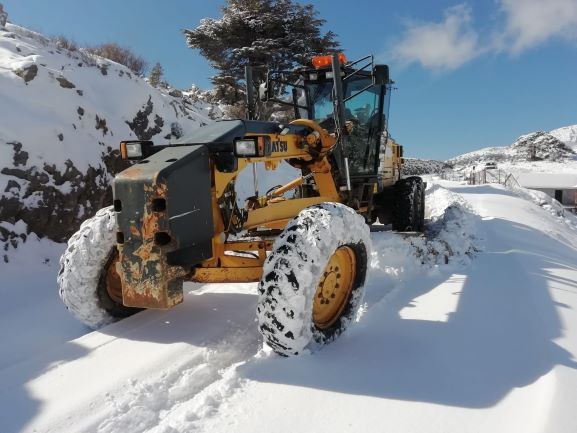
x=176, y=215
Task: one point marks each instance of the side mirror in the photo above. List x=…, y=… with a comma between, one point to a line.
x=381, y=74
x=263, y=92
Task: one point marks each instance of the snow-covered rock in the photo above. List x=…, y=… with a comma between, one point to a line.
x=62, y=116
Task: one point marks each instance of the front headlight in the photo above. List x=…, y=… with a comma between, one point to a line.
x=245, y=148
x=133, y=150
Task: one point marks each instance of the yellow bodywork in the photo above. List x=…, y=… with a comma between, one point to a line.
x=228, y=263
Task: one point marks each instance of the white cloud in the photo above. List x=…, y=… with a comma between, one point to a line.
x=451, y=43
x=532, y=22
x=445, y=45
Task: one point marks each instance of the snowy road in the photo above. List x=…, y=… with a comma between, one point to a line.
x=481, y=345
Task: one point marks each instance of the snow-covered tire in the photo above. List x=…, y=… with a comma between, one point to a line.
x=83, y=265
x=297, y=267
x=409, y=205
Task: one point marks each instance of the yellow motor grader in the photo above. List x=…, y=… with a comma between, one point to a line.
x=176, y=214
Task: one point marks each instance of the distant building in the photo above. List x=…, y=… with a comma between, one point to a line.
x=561, y=186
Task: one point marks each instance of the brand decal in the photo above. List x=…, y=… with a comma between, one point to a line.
x=279, y=146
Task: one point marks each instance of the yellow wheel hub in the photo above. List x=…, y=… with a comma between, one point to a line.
x=334, y=288
x=112, y=280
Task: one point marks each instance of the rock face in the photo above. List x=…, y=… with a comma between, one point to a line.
x=52, y=200
x=62, y=116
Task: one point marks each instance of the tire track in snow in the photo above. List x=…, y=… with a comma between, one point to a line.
x=184, y=393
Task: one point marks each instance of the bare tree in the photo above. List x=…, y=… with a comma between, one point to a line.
x=121, y=55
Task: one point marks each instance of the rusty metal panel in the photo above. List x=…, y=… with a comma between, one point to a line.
x=163, y=209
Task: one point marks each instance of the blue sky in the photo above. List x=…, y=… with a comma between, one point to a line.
x=468, y=74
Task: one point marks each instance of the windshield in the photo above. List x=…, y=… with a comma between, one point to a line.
x=362, y=110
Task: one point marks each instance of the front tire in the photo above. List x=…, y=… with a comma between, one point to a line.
x=89, y=285
x=312, y=284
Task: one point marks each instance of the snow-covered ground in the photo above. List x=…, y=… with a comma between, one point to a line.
x=472, y=328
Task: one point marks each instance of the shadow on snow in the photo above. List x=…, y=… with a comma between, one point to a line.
x=500, y=337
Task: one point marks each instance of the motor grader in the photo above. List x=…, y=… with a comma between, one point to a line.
x=176, y=214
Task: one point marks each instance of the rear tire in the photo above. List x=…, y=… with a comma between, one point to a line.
x=83, y=277
x=312, y=284
x=409, y=205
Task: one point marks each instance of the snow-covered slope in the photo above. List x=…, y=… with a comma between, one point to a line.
x=567, y=134
x=472, y=328
x=530, y=147
x=536, y=151
x=62, y=115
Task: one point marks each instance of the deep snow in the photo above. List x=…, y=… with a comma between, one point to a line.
x=473, y=328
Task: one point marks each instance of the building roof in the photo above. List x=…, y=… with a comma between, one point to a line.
x=547, y=180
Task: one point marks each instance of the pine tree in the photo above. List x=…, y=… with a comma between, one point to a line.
x=280, y=34
x=3, y=16
x=155, y=76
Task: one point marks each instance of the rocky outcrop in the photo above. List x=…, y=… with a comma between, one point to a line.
x=27, y=73
x=140, y=124
x=539, y=146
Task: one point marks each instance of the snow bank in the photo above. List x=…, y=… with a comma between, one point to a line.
x=450, y=238
x=548, y=203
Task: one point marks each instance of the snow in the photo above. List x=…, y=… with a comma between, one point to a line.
x=472, y=328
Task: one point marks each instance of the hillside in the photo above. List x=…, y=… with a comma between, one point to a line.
x=62, y=116
x=536, y=146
